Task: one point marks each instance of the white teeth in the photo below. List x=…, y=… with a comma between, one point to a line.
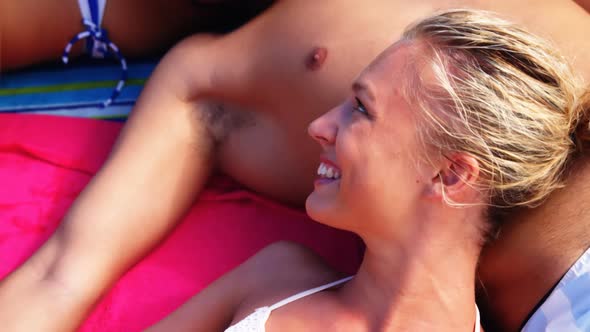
x=328, y=171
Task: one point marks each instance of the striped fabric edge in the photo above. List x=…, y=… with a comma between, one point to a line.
x=567, y=309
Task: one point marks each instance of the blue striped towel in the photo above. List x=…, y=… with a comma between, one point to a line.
x=74, y=90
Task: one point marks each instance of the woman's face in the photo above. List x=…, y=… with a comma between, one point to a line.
x=371, y=166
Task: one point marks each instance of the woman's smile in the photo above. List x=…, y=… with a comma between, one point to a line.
x=327, y=173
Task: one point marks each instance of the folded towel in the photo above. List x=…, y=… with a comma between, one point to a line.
x=78, y=89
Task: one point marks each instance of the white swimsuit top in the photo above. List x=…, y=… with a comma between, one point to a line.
x=256, y=321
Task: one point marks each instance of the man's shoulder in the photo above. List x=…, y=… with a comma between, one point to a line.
x=567, y=308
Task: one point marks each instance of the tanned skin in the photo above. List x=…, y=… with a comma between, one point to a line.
x=240, y=103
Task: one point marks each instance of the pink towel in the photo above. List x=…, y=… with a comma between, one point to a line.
x=46, y=161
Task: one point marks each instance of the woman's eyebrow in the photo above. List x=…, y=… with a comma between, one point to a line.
x=362, y=87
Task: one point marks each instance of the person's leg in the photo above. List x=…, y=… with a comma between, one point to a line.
x=34, y=31
x=584, y=4
x=147, y=27
x=37, y=31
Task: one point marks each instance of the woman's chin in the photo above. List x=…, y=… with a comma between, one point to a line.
x=318, y=206
x=313, y=206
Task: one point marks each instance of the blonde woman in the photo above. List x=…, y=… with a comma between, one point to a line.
x=239, y=103
x=464, y=116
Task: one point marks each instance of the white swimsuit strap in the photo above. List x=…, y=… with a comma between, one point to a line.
x=477, y=322
x=308, y=292
x=85, y=10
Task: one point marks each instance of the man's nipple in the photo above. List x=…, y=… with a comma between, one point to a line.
x=316, y=58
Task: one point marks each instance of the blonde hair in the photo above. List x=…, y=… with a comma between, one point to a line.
x=505, y=97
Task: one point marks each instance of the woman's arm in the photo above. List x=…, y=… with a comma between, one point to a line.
x=212, y=309
x=274, y=273
x=159, y=164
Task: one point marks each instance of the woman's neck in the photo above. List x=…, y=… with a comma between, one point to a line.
x=425, y=285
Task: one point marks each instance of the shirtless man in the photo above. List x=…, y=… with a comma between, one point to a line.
x=214, y=102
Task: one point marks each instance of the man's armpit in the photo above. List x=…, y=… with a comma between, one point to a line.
x=220, y=119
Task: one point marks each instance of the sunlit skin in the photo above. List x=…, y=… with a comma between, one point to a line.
x=406, y=281
x=270, y=76
x=370, y=145
x=37, y=31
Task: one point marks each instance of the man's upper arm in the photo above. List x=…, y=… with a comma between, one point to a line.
x=155, y=171
x=157, y=167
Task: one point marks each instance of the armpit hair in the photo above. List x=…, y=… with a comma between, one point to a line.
x=220, y=121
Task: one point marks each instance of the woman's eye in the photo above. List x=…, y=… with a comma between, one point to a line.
x=359, y=107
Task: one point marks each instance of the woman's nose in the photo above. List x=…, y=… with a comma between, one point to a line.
x=325, y=128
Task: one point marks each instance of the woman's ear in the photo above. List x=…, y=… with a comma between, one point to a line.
x=457, y=175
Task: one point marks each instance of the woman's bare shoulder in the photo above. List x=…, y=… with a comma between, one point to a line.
x=280, y=270
x=288, y=264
